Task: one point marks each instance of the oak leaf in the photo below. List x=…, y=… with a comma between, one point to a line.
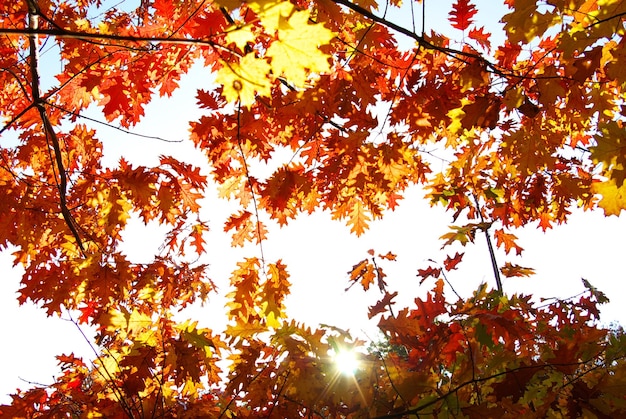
x=462, y=234
x=512, y=270
x=483, y=38
x=452, y=261
x=462, y=13
x=428, y=272
x=364, y=272
x=508, y=240
x=382, y=305
x=358, y=216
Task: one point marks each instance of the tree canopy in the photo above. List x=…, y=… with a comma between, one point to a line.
x=503, y=130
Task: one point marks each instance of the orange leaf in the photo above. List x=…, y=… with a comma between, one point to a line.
x=508, y=241
x=358, y=218
x=197, y=235
x=480, y=36
x=364, y=272
x=512, y=270
x=388, y=256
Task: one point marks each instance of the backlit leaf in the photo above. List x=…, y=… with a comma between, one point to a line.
x=462, y=13
x=299, y=42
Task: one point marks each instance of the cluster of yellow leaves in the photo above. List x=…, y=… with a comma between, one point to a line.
x=293, y=54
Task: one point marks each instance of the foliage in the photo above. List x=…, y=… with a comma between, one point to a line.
x=502, y=133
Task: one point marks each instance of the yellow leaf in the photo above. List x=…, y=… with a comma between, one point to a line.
x=273, y=14
x=297, y=49
x=456, y=116
x=272, y=321
x=243, y=79
x=613, y=198
x=527, y=23
x=82, y=24
x=200, y=338
x=585, y=13
x=607, y=55
x=240, y=36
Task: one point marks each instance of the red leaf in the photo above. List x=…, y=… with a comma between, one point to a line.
x=430, y=271
x=461, y=14
x=451, y=262
x=507, y=54
x=382, y=305
x=209, y=99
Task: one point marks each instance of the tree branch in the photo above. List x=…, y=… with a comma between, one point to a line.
x=33, y=24
x=473, y=381
x=64, y=33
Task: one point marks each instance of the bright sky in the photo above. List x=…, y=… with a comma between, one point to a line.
x=318, y=252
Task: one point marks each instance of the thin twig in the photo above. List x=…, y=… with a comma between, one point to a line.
x=251, y=186
x=87, y=36
x=106, y=124
x=492, y=255
x=108, y=377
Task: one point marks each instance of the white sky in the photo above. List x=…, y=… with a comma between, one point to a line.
x=319, y=253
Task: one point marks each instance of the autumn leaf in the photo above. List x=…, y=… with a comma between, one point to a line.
x=245, y=228
x=358, y=218
x=462, y=13
x=508, y=240
x=428, y=272
x=244, y=79
x=484, y=113
x=388, y=256
x=273, y=14
x=198, y=241
x=200, y=338
x=526, y=23
x=208, y=99
x=512, y=270
x=299, y=42
x=613, y=199
x=382, y=305
x=364, y=273
x=451, y=262
x=462, y=234
x=479, y=35
x=240, y=37
x=273, y=293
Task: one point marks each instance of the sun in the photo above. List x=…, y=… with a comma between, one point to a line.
x=347, y=362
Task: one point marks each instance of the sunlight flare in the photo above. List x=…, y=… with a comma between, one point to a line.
x=347, y=361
